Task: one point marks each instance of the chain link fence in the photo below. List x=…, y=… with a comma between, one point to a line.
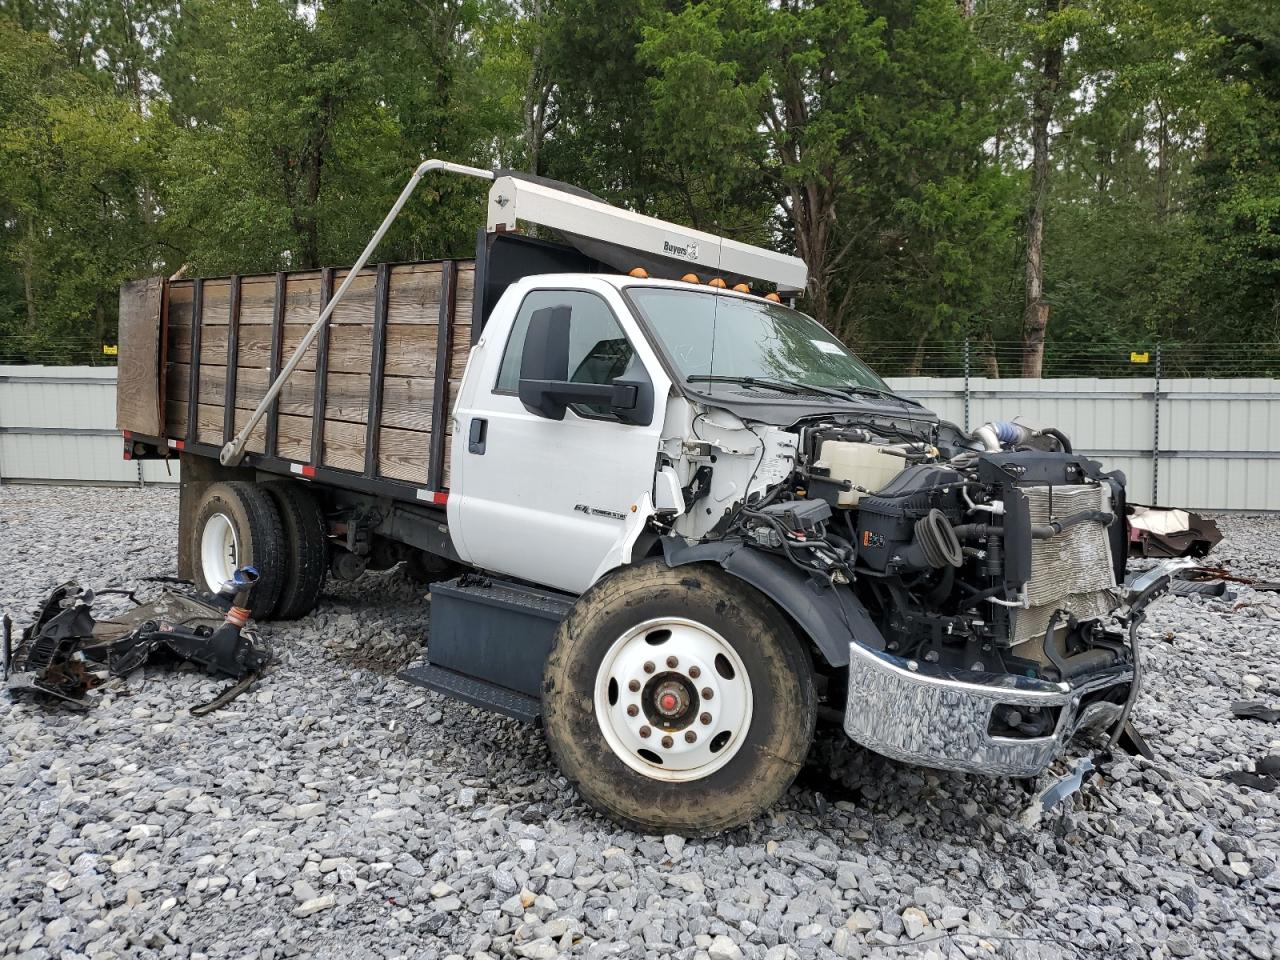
x=890, y=358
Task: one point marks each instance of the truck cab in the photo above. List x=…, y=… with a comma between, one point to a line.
x=669, y=516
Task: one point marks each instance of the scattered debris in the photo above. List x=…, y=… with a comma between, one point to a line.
x=1255, y=710
x=66, y=652
x=1157, y=532
x=1057, y=791
x=1265, y=776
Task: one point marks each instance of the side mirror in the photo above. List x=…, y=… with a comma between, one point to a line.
x=545, y=360
x=545, y=387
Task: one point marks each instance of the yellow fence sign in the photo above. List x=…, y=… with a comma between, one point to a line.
x=1135, y=357
x=110, y=349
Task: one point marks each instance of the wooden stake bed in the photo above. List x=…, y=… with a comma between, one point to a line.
x=382, y=374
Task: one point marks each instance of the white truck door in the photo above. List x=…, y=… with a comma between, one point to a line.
x=540, y=499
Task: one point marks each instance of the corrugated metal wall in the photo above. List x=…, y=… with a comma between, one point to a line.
x=1219, y=440
x=58, y=423
x=1218, y=444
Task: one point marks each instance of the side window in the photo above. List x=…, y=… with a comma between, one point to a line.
x=598, y=349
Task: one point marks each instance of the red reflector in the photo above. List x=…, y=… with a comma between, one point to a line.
x=439, y=498
x=308, y=471
x=180, y=444
x=128, y=435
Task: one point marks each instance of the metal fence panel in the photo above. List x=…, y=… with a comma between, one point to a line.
x=1216, y=442
x=1217, y=445
x=58, y=424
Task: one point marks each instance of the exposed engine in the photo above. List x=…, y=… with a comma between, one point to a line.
x=997, y=552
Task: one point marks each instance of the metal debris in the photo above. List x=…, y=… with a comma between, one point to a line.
x=66, y=652
x=1157, y=532
x=1255, y=710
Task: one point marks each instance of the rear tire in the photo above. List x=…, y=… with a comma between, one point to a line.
x=236, y=525
x=706, y=764
x=306, y=548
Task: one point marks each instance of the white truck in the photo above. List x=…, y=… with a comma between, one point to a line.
x=667, y=516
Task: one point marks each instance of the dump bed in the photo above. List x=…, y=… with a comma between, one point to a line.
x=383, y=370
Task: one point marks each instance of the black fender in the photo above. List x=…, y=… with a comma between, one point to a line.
x=829, y=615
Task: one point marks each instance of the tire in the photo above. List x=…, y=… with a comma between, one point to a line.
x=592, y=735
x=306, y=548
x=242, y=517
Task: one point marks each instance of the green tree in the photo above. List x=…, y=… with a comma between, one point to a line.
x=76, y=159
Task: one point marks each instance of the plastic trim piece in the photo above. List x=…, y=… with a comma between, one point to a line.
x=830, y=619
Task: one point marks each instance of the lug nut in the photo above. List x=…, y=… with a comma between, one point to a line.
x=707, y=693
x=667, y=742
x=648, y=666
x=645, y=731
x=706, y=719
x=695, y=672
x=690, y=736
x=634, y=686
x=672, y=662
x=632, y=710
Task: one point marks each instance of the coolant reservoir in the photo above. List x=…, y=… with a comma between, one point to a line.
x=862, y=464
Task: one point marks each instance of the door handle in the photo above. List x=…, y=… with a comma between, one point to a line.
x=476, y=438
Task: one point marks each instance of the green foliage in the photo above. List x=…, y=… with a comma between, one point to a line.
x=885, y=141
x=76, y=161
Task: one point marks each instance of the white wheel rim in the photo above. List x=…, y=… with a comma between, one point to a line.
x=219, y=551
x=652, y=702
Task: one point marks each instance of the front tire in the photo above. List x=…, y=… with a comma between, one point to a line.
x=678, y=700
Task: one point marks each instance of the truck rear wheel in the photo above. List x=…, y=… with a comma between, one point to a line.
x=306, y=548
x=678, y=700
x=237, y=524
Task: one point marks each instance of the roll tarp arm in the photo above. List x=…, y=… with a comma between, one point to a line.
x=233, y=452
x=576, y=214
x=830, y=620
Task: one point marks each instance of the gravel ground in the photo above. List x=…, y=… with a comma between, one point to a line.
x=335, y=811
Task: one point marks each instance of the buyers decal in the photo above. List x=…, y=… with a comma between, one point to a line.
x=688, y=250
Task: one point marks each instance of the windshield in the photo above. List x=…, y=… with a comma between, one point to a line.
x=713, y=338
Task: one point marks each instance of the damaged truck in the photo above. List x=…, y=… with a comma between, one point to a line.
x=664, y=513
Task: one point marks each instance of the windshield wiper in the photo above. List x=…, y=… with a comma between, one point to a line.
x=794, y=387
x=868, y=391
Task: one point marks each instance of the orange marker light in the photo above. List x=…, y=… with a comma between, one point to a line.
x=639, y=272
x=774, y=297
x=717, y=282
x=690, y=278
x=741, y=288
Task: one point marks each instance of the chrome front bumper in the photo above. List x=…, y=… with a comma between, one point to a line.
x=921, y=714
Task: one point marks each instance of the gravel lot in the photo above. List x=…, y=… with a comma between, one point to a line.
x=336, y=811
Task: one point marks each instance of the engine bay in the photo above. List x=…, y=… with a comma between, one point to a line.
x=993, y=552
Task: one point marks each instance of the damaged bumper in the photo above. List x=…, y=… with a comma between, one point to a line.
x=921, y=714
x=937, y=717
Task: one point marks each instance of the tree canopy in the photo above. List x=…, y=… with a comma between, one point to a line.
x=1086, y=174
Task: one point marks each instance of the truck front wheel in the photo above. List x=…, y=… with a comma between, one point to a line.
x=678, y=700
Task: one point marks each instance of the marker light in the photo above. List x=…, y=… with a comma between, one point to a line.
x=717, y=282
x=741, y=288
x=774, y=297
x=690, y=278
x=639, y=273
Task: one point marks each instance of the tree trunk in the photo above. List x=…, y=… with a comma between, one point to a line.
x=1035, y=317
x=28, y=276
x=1162, y=163
x=990, y=361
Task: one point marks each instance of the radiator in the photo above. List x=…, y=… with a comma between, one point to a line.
x=1072, y=571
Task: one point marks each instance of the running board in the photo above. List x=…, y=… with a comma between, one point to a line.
x=478, y=693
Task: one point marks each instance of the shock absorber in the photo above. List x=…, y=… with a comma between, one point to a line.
x=237, y=590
